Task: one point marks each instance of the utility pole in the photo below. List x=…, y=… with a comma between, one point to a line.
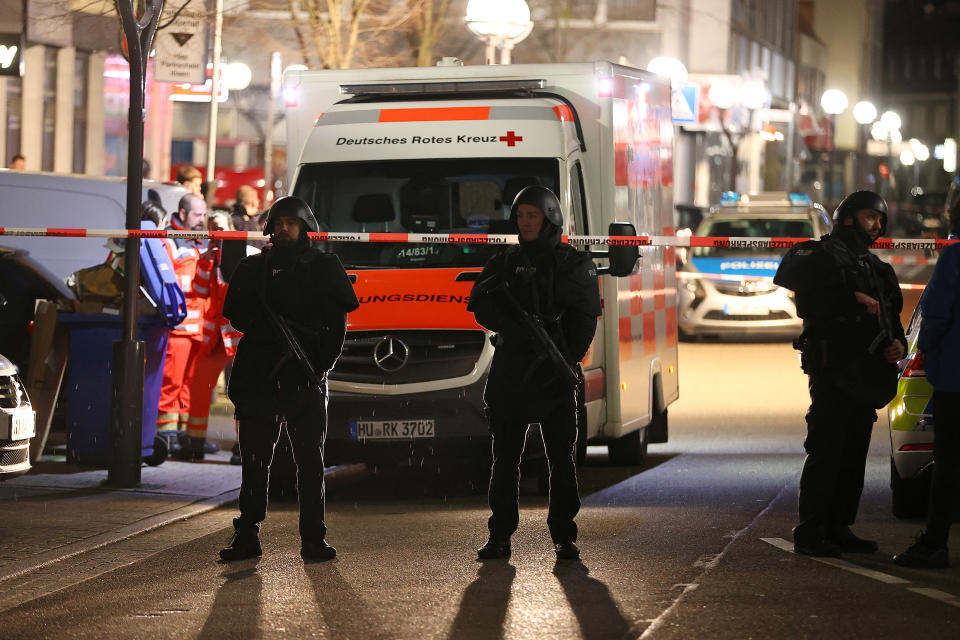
x=126, y=410
x=214, y=90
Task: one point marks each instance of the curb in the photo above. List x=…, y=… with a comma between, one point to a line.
x=59, y=554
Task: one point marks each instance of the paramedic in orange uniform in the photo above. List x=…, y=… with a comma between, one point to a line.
x=186, y=337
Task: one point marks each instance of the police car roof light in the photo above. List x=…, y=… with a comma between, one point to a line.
x=799, y=199
x=395, y=88
x=729, y=198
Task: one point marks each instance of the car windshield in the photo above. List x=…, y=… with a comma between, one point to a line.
x=419, y=196
x=750, y=227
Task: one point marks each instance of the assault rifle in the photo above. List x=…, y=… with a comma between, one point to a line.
x=534, y=326
x=293, y=344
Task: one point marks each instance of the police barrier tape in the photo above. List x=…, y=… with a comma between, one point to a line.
x=724, y=242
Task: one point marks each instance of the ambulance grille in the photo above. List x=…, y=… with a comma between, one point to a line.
x=431, y=355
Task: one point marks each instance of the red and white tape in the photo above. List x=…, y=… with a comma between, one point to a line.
x=725, y=242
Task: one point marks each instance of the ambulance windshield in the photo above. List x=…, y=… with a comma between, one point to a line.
x=458, y=195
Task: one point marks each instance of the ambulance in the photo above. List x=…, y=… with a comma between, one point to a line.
x=444, y=150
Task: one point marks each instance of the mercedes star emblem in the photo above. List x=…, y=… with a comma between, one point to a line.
x=391, y=354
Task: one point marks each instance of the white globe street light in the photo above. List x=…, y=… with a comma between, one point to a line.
x=878, y=131
x=834, y=101
x=864, y=112
x=754, y=94
x=896, y=137
x=722, y=94
x=501, y=23
x=907, y=158
x=237, y=76
x=891, y=120
x=922, y=152
x=669, y=68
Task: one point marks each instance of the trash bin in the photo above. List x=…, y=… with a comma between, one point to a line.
x=90, y=380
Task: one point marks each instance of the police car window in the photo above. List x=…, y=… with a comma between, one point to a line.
x=419, y=196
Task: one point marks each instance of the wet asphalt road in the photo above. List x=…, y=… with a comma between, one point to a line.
x=683, y=546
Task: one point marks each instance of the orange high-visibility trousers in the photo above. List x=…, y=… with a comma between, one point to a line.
x=204, y=378
x=174, y=408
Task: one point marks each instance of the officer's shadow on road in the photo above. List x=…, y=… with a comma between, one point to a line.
x=597, y=614
x=483, y=607
x=236, y=608
x=342, y=608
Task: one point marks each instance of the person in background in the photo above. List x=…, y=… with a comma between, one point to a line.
x=191, y=178
x=219, y=338
x=186, y=338
x=246, y=214
x=18, y=163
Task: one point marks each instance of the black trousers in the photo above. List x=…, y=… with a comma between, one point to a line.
x=838, y=437
x=945, y=485
x=306, y=422
x=508, y=427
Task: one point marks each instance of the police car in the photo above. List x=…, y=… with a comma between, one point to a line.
x=729, y=292
x=911, y=431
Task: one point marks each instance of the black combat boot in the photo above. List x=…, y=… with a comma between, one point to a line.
x=567, y=551
x=923, y=554
x=494, y=549
x=849, y=542
x=245, y=543
x=318, y=551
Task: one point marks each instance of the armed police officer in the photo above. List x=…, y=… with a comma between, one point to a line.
x=291, y=303
x=542, y=299
x=852, y=337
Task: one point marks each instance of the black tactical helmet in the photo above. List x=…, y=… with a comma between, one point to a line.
x=543, y=199
x=293, y=207
x=857, y=201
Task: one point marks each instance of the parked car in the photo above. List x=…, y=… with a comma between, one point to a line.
x=911, y=431
x=17, y=422
x=729, y=292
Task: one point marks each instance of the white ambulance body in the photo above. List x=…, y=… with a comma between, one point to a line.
x=444, y=150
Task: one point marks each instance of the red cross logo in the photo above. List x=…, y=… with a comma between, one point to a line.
x=511, y=139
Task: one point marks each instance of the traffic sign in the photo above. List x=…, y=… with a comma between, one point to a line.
x=182, y=45
x=686, y=104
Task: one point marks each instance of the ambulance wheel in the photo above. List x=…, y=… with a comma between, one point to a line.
x=160, y=452
x=629, y=450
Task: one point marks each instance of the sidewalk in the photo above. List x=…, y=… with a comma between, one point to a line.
x=59, y=510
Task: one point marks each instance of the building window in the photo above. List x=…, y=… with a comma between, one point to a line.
x=49, y=106
x=80, y=93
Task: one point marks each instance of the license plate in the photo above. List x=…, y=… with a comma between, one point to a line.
x=22, y=425
x=744, y=309
x=391, y=429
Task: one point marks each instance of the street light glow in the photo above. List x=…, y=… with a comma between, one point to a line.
x=891, y=120
x=834, y=101
x=237, y=76
x=670, y=68
x=864, y=112
x=753, y=94
x=878, y=131
x=498, y=18
x=722, y=94
x=922, y=153
x=907, y=158
x=896, y=137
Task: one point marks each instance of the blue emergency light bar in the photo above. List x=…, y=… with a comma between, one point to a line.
x=729, y=198
x=799, y=199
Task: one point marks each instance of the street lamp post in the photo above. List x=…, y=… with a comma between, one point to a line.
x=834, y=102
x=752, y=95
x=865, y=113
x=499, y=23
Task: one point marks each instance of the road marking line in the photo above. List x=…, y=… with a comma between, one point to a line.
x=784, y=545
x=936, y=594
x=709, y=565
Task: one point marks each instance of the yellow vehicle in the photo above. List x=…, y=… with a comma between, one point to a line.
x=911, y=431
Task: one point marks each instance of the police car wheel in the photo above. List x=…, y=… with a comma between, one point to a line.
x=909, y=495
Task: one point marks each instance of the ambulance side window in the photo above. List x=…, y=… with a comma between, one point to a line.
x=578, y=201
